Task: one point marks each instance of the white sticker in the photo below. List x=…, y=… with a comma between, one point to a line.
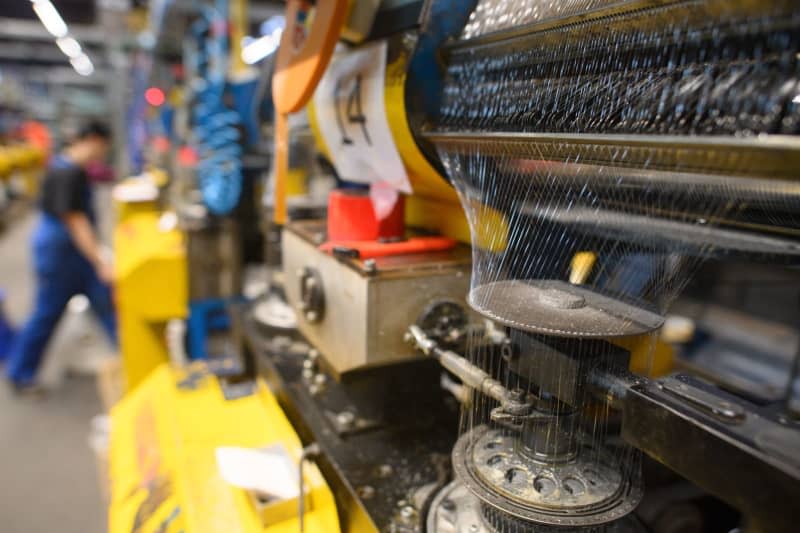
x=351, y=114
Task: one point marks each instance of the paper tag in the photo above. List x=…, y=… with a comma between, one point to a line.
x=268, y=471
x=351, y=113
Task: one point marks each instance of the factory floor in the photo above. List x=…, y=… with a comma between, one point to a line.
x=47, y=468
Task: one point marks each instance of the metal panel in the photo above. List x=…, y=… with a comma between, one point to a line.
x=369, y=305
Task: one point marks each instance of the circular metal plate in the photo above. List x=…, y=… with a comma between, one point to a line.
x=553, y=307
x=556, y=495
x=275, y=313
x=572, y=485
x=455, y=509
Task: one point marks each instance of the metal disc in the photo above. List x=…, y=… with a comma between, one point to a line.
x=560, y=509
x=455, y=509
x=553, y=307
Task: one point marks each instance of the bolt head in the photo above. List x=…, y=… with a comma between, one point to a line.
x=345, y=418
x=385, y=471
x=365, y=492
x=408, y=513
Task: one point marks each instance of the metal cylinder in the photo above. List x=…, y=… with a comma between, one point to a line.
x=551, y=437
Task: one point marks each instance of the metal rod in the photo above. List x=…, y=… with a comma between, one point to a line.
x=471, y=375
x=312, y=450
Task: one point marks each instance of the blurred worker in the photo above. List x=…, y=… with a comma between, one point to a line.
x=67, y=256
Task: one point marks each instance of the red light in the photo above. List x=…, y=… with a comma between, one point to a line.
x=154, y=96
x=187, y=156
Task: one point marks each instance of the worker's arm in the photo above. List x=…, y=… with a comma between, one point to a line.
x=82, y=234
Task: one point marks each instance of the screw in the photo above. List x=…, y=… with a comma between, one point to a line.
x=517, y=395
x=307, y=373
x=345, y=419
x=385, y=471
x=370, y=266
x=311, y=316
x=282, y=342
x=365, y=492
x=320, y=379
x=313, y=354
x=408, y=513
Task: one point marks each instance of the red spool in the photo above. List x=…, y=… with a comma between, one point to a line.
x=351, y=217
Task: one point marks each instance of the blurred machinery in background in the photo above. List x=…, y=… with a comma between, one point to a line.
x=554, y=290
x=21, y=165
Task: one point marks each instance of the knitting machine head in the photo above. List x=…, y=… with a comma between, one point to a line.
x=603, y=152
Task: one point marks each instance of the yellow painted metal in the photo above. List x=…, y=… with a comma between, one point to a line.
x=296, y=182
x=6, y=163
x=163, y=468
x=238, y=29
x=425, y=180
x=581, y=267
x=650, y=356
x=124, y=209
x=23, y=162
x=151, y=288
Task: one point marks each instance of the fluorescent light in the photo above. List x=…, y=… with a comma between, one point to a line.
x=69, y=46
x=50, y=17
x=256, y=50
x=82, y=65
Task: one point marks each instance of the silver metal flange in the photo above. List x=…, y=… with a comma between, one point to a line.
x=579, y=493
x=553, y=307
x=455, y=509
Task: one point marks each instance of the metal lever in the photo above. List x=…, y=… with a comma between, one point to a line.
x=513, y=403
x=310, y=451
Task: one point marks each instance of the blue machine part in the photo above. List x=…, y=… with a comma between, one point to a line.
x=445, y=19
x=215, y=127
x=205, y=317
x=244, y=94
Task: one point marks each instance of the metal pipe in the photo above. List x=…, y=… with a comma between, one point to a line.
x=470, y=375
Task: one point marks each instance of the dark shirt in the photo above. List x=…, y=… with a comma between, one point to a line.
x=65, y=190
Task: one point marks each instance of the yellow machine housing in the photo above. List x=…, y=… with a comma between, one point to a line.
x=151, y=288
x=163, y=468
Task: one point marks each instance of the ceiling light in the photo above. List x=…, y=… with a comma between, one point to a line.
x=82, y=65
x=50, y=17
x=69, y=46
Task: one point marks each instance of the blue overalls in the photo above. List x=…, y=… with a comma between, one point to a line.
x=61, y=273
